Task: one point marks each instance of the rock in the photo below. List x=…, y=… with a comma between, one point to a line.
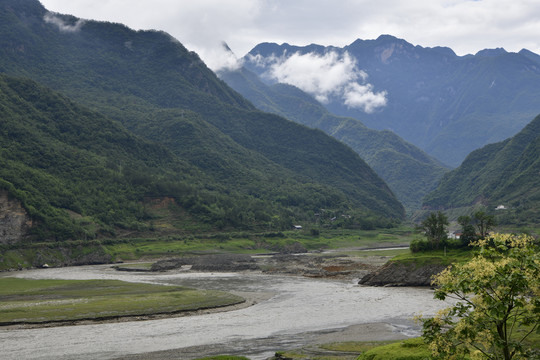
x=280, y=356
x=399, y=274
x=217, y=262
x=168, y=264
x=14, y=220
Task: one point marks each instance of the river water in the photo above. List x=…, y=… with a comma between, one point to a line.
x=294, y=310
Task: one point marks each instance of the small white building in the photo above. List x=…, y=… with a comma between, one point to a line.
x=500, y=207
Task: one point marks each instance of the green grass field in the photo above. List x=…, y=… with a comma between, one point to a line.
x=442, y=257
x=411, y=349
x=257, y=243
x=38, y=301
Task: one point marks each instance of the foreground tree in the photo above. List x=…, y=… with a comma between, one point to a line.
x=498, y=302
x=468, y=233
x=484, y=223
x=434, y=227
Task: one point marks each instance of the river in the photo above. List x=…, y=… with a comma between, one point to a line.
x=293, y=311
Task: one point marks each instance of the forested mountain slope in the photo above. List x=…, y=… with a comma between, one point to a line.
x=504, y=173
x=409, y=171
x=445, y=104
x=151, y=84
x=60, y=158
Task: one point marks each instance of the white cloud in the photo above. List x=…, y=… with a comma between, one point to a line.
x=363, y=96
x=326, y=76
x=52, y=18
x=201, y=25
x=222, y=58
x=465, y=26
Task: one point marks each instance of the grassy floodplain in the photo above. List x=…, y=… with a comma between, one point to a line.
x=41, y=301
x=410, y=349
x=28, y=255
x=135, y=249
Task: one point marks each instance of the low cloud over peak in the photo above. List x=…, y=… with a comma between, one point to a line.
x=222, y=58
x=325, y=76
x=52, y=18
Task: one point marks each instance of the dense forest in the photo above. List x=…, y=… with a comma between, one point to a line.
x=134, y=116
x=503, y=174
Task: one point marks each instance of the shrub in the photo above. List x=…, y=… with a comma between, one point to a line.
x=419, y=245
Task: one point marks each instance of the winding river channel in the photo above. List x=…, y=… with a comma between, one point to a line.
x=291, y=312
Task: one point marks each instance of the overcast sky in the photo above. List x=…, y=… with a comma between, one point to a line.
x=466, y=26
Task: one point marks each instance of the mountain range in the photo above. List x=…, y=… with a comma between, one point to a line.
x=107, y=131
x=445, y=104
x=164, y=126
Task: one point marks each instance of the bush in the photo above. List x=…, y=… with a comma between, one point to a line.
x=411, y=349
x=419, y=245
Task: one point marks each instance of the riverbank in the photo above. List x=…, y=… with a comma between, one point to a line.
x=339, y=266
x=348, y=264
x=290, y=312
x=116, y=250
x=315, y=343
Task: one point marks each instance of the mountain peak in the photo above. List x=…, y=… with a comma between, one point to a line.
x=24, y=6
x=387, y=37
x=492, y=52
x=226, y=47
x=530, y=55
x=382, y=39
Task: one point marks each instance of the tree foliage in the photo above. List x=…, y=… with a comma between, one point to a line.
x=434, y=227
x=484, y=223
x=476, y=227
x=504, y=173
x=468, y=232
x=497, y=302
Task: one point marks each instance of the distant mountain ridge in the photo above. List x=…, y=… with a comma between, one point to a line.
x=162, y=93
x=409, y=171
x=504, y=173
x=447, y=105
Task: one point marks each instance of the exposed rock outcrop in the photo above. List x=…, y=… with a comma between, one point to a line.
x=399, y=274
x=14, y=220
x=309, y=265
x=218, y=262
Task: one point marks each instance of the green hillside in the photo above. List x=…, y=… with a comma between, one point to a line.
x=408, y=171
x=81, y=175
x=58, y=157
x=224, y=162
x=504, y=173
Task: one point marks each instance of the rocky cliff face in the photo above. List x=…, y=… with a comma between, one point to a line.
x=14, y=220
